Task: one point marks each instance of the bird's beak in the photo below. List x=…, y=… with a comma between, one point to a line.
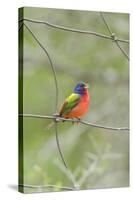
x=87, y=85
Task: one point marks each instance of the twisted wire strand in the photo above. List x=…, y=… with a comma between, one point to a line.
x=114, y=38
x=75, y=120
x=64, y=28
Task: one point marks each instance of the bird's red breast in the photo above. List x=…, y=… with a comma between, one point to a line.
x=81, y=108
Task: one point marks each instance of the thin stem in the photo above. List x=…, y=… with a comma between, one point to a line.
x=73, y=29
x=69, y=174
x=75, y=120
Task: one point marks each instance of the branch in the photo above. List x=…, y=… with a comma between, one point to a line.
x=73, y=30
x=69, y=174
x=57, y=119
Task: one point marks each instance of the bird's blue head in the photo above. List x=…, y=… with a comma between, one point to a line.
x=80, y=88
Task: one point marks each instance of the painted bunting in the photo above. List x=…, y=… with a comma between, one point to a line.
x=77, y=104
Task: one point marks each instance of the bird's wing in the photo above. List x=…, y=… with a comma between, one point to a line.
x=69, y=104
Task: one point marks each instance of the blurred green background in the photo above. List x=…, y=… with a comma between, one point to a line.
x=97, y=158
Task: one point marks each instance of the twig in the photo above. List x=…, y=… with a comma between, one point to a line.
x=114, y=38
x=74, y=120
x=88, y=172
x=73, y=29
x=69, y=174
x=46, y=186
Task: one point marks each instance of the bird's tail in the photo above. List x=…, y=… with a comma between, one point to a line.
x=52, y=123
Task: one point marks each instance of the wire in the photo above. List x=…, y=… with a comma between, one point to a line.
x=114, y=38
x=73, y=29
x=75, y=120
x=51, y=63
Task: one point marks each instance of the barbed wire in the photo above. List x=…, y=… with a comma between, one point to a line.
x=57, y=119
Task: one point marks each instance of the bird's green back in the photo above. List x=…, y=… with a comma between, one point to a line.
x=70, y=103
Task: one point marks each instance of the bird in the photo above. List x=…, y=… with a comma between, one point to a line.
x=77, y=104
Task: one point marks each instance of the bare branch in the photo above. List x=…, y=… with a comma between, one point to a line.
x=88, y=172
x=73, y=29
x=57, y=119
x=69, y=174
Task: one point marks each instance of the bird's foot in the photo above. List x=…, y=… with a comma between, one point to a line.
x=77, y=120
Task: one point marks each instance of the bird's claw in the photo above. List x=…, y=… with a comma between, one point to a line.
x=76, y=120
